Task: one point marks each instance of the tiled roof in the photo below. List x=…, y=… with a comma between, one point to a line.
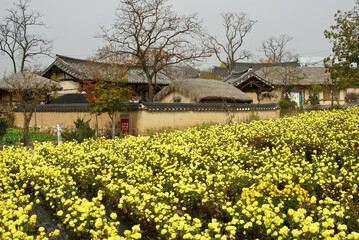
x=238, y=78
x=308, y=75
x=275, y=75
x=243, y=66
x=81, y=69
x=155, y=107
x=182, y=72
x=221, y=71
x=69, y=107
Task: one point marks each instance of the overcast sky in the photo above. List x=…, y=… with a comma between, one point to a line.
x=72, y=24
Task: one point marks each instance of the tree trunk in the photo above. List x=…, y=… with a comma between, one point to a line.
x=150, y=92
x=230, y=66
x=332, y=103
x=114, y=118
x=26, y=129
x=97, y=133
x=22, y=68
x=14, y=65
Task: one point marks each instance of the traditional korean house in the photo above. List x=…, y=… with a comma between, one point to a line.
x=303, y=84
x=251, y=84
x=74, y=72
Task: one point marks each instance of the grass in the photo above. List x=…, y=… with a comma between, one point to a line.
x=15, y=135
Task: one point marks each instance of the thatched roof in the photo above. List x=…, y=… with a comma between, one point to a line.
x=26, y=80
x=307, y=75
x=202, y=89
x=81, y=69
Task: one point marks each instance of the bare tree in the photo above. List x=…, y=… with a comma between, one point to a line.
x=237, y=26
x=154, y=36
x=29, y=90
x=288, y=75
x=274, y=48
x=16, y=38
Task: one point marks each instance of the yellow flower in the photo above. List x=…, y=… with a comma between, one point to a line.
x=284, y=231
x=342, y=227
x=290, y=212
x=313, y=228
x=33, y=218
x=127, y=233
x=98, y=223
x=296, y=232
x=113, y=216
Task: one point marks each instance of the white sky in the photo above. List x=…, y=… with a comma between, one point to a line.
x=72, y=24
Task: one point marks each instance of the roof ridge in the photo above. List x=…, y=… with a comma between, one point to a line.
x=71, y=58
x=96, y=62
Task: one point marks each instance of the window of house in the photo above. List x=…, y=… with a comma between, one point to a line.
x=326, y=95
x=177, y=99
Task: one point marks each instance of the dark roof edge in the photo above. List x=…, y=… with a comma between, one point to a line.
x=220, y=107
x=158, y=107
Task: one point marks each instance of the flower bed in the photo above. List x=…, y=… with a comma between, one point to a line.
x=290, y=178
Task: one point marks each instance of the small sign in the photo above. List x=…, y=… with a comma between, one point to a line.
x=296, y=97
x=125, y=126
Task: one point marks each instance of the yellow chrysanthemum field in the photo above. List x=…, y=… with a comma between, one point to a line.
x=289, y=178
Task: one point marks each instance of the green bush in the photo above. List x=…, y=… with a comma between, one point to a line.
x=16, y=135
x=165, y=129
x=81, y=131
x=254, y=116
x=338, y=106
x=3, y=126
x=286, y=106
x=313, y=99
x=12, y=136
x=205, y=125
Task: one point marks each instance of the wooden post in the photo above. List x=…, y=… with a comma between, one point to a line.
x=58, y=133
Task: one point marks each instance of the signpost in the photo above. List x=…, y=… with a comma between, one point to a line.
x=125, y=126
